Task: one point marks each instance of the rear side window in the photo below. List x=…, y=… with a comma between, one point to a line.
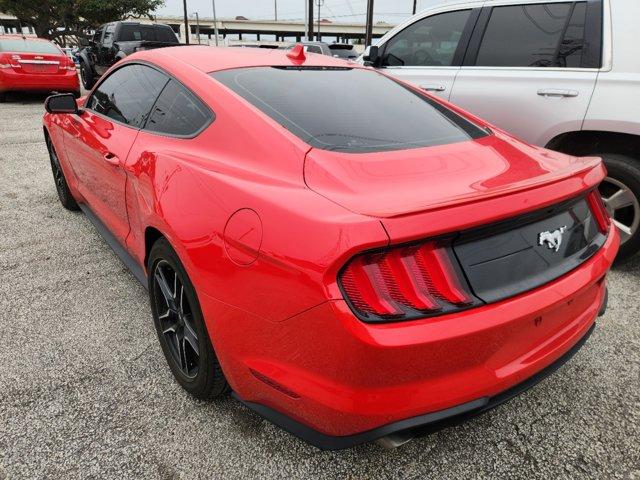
x=128, y=94
x=313, y=49
x=165, y=34
x=538, y=35
x=178, y=112
x=430, y=42
x=348, y=110
x=28, y=46
x=149, y=33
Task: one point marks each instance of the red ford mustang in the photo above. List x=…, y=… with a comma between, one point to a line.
x=349, y=256
x=36, y=65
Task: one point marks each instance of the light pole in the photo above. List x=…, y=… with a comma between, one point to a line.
x=369, y=28
x=197, y=25
x=186, y=22
x=309, y=20
x=215, y=21
x=275, y=10
x=319, y=3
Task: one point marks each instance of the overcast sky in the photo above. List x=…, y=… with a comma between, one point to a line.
x=392, y=11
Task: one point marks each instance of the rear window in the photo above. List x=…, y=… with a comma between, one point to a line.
x=149, y=33
x=343, y=51
x=348, y=110
x=28, y=46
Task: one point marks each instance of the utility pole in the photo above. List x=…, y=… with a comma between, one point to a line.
x=275, y=10
x=415, y=4
x=310, y=20
x=369, y=28
x=215, y=21
x=187, y=33
x=198, y=26
x=319, y=3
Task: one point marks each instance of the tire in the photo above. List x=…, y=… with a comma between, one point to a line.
x=623, y=172
x=64, y=194
x=3, y=97
x=178, y=318
x=87, y=76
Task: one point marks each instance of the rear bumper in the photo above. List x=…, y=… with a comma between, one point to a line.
x=324, y=374
x=421, y=424
x=14, y=81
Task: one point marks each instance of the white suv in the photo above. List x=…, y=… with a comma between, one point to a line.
x=559, y=74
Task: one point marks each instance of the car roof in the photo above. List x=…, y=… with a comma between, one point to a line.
x=211, y=59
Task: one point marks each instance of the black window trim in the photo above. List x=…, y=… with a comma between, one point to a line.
x=461, y=49
x=592, y=53
x=212, y=115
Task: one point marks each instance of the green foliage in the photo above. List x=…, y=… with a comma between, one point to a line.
x=57, y=19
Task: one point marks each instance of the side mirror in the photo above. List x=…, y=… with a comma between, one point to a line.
x=370, y=56
x=84, y=42
x=62, y=103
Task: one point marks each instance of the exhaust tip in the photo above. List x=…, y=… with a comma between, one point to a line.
x=395, y=440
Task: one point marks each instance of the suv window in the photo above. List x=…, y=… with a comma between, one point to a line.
x=539, y=35
x=108, y=35
x=178, y=112
x=98, y=35
x=382, y=115
x=128, y=93
x=429, y=42
x=135, y=32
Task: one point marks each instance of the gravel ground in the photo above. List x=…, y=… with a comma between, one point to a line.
x=85, y=393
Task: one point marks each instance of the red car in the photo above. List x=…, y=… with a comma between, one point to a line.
x=350, y=257
x=35, y=65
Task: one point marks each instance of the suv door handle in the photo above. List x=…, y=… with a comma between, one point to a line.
x=433, y=87
x=554, y=92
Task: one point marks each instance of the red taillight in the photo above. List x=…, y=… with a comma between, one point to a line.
x=405, y=282
x=599, y=211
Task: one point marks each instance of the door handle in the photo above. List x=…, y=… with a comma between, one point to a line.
x=555, y=92
x=111, y=158
x=433, y=87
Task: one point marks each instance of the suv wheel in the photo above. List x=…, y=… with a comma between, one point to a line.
x=621, y=194
x=180, y=325
x=86, y=75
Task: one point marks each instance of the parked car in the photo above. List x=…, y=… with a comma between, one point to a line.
x=343, y=50
x=114, y=41
x=386, y=263
x=315, y=47
x=559, y=74
x=35, y=65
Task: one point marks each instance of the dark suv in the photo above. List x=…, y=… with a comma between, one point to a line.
x=114, y=41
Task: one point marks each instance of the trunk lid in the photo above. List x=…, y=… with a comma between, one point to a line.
x=37, y=63
x=391, y=184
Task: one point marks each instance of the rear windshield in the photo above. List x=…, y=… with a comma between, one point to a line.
x=348, y=110
x=19, y=45
x=149, y=33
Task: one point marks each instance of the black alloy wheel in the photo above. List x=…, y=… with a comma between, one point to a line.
x=176, y=319
x=180, y=325
x=64, y=194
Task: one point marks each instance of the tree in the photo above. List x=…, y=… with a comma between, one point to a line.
x=58, y=19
